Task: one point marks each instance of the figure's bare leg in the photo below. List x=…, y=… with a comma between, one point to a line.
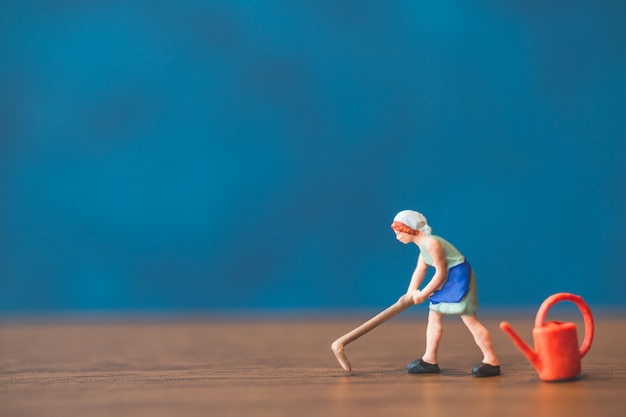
x=482, y=339
x=434, y=331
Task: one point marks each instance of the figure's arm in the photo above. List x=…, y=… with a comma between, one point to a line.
x=441, y=271
x=416, y=280
x=418, y=274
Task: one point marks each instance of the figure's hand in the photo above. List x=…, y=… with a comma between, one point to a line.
x=418, y=297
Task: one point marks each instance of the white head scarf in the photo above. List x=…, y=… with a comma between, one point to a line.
x=414, y=220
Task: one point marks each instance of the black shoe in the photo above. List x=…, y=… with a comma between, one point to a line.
x=418, y=366
x=484, y=369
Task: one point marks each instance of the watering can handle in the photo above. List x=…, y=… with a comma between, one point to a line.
x=582, y=306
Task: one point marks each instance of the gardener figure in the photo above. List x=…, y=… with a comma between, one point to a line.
x=452, y=290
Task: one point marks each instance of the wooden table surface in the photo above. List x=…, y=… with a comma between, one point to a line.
x=284, y=367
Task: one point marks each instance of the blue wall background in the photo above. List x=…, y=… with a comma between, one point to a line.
x=204, y=155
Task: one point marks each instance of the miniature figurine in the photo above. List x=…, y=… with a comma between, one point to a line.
x=557, y=356
x=451, y=290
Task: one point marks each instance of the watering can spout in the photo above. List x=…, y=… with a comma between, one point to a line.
x=532, y=356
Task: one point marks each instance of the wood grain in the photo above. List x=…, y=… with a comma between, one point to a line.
x=284, y=367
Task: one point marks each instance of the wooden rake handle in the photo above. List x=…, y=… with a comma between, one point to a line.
x=393, y=310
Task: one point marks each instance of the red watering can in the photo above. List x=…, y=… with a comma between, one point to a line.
x=556, y=356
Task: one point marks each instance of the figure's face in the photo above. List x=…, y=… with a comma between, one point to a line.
x=403, y=237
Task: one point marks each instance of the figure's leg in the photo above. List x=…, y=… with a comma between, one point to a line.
x=482, y=339
x=434, y=331
x=427, y=364
x=490, y=366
